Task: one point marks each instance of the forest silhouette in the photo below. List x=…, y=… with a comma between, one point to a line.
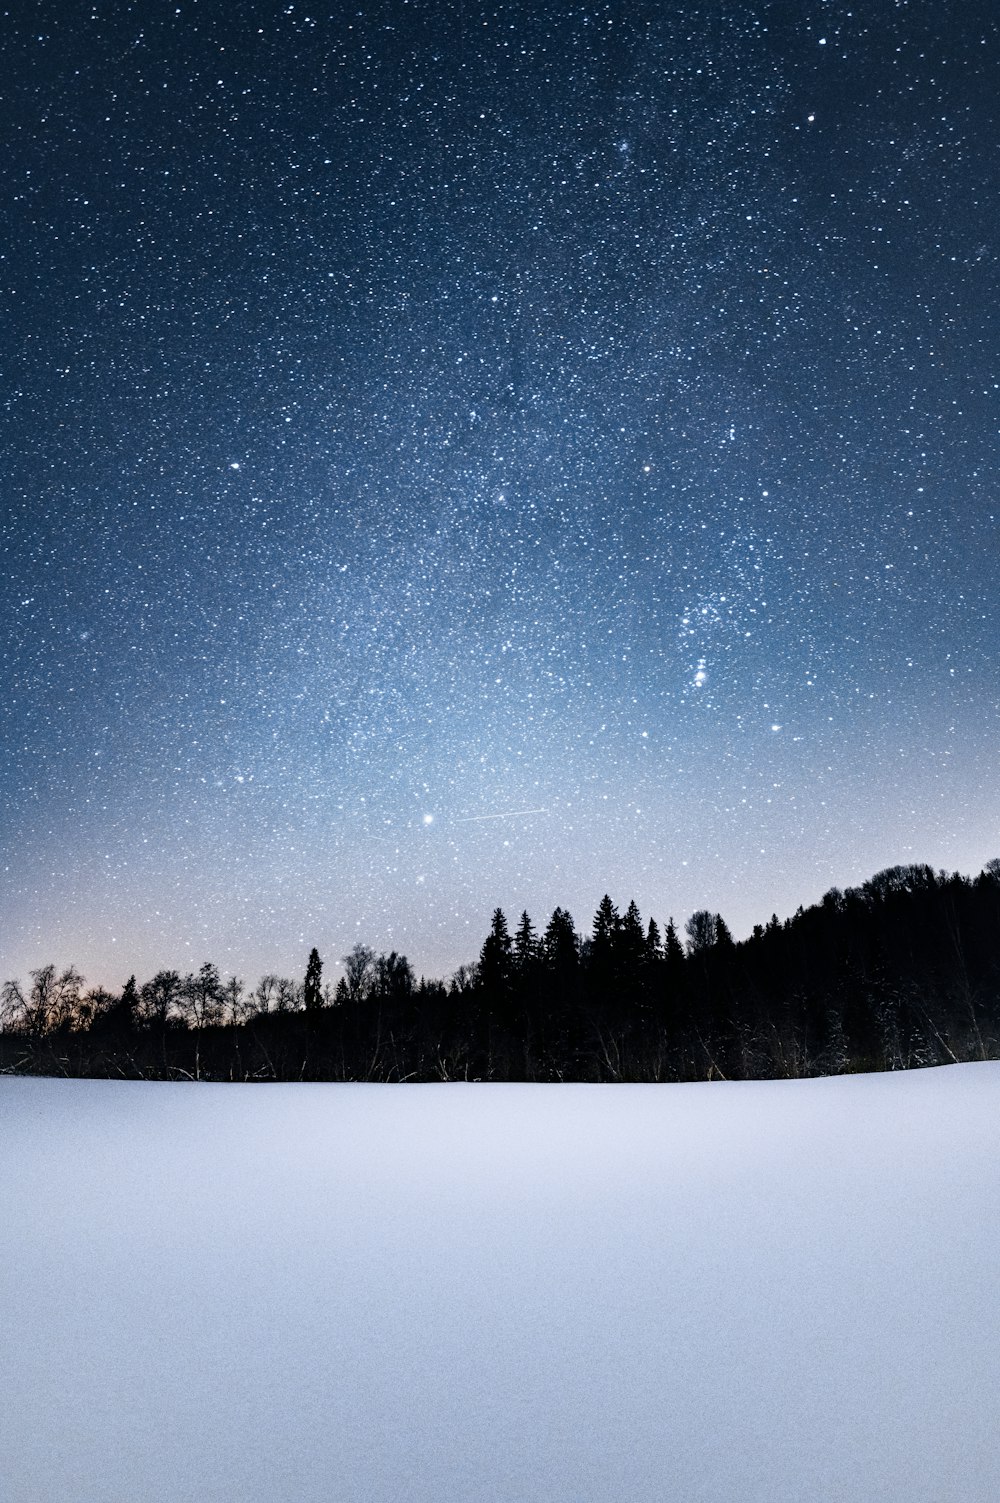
x=902, y=971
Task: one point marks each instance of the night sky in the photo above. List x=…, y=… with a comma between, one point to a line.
x=460, y=455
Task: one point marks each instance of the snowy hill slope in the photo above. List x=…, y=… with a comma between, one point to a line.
x=755, y=1291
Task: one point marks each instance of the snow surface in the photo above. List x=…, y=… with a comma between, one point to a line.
x=764, y=1291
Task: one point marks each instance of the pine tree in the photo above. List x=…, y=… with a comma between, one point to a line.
x=496, y=960
x=630, y=967
x=560, y=983
x=312, y=991
x=527, y=949
x=603, y=957
x=675, y=975
x=607, y=923
x=495, y=987
x=561, y=944
x=115, y=1015
x=723, y=935
x=128, y=1007
x=631, y=940
x=673, y=950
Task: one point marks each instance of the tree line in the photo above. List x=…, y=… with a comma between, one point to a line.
x=902, y=971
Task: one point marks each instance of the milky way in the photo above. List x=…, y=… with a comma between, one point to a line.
x=458, y=456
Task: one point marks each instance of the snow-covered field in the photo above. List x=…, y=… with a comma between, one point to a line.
x=739, y=1292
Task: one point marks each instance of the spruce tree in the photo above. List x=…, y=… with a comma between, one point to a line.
x=495, y=987
x=607, y=923
x=496, y=960
x=673, y=950
x=723, y=935
x=631, y=939
x=128, y=1007
x=312, y=991
x=527, y=948
x=561, y=944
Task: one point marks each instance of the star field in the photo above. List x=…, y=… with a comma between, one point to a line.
x=466, y=455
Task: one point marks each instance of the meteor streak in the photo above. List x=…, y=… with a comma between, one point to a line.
x=468, y=819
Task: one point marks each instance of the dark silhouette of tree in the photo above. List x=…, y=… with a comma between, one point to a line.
x=701, y=930
x=464, y=981
x=386, y=1017
x=673, y=950
x=673, y=1006
x=526, y=1013
x=129, y=1004
x=561, y=946
x=394, y=975
x=602, y=952
x=288, y=995
x=527, y=950
x=40, y=1011
x=495, y=991
x=312, y=989
x=201, y=997
x=560, y=991
x=496, y=959
x=13, y=1007
x=607, y=923
x=159, y=998
x=359, y=973
x=631, y=943
x=54, y=1001
x=723, y=937
x=236, y=1006
x=264, y=995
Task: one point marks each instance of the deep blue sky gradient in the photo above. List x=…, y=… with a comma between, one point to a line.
x=416, y=414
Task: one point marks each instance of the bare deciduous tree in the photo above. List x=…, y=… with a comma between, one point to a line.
x=160, y=998
x=13, y=1007
x=201, y=997
x=359, y=967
